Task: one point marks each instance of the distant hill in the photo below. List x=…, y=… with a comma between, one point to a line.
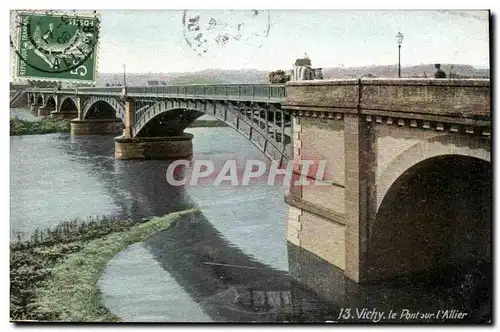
x=221, y=76
x=208, y=76
x=410, y=71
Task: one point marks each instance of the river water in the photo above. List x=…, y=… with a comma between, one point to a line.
x=228, y=264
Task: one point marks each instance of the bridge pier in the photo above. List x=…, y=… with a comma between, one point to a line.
x=64, y=115
x=358, y=222
x=96, y=126
x=34, y=108
x=45, y=110
x=170, y=147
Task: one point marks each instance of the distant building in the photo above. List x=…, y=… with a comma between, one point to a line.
x=303, y=62
x=302, y=70
x=318, y=73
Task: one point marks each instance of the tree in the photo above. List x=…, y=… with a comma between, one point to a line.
x=278, y=76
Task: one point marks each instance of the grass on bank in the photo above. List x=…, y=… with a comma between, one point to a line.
x=49, y=125
x=46, y=125
x=32, y=259
x=66, y=282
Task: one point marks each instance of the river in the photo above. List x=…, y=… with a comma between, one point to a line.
x=229, y=264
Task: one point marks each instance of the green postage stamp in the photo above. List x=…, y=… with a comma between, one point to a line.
x=55, y=46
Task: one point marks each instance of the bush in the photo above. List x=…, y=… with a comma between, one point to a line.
x=44, y=126
x=278, y=76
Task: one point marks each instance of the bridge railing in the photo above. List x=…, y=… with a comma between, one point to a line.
x=105, y=89
x=223, y=91
x=237, y=91
x=81, y=90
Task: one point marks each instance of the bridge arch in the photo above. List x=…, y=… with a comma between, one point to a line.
x=40, y=99
x=169, y=122
x=68, y=103
x=103, y=108
x=236, y=115
x=100, y=109
x=436, y=211
x=450, y=144
x=50, y=101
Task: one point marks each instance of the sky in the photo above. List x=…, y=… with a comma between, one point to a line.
x=155, y=41
x=158, y=41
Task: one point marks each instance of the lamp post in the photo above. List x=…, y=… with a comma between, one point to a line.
x=124, y=77
x=399, y=37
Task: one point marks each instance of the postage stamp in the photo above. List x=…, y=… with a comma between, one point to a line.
x=55, y=46
x=208, y=31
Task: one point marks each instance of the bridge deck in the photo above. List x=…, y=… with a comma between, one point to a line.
x=459, y=101
x=265, y=93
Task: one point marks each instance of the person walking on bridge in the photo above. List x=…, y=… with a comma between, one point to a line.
x=439, y=72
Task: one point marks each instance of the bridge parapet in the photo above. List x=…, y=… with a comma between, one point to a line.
x=238, y=92
x=107, y=91
x=456, y=101
x=374, y=134
x=225, y=91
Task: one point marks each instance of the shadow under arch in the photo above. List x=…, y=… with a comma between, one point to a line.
x=68, y=103
x=435, y=216
x=449, y=144
x=111, y=108
x=170, y=122
x=161, y=118
x=100, y=109
x=50, y=101
x=40, y=99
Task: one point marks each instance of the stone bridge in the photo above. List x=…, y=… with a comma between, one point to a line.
x=408, y=175
x=407, y=183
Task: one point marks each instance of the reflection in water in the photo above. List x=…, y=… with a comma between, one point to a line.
x=76, y=177
x=47, y=186
x=159, y=298
x=226, y=285
x=466, y=289
x=138, y=187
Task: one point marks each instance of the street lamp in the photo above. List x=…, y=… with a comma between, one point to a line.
x=124, y=77
x=399, y=37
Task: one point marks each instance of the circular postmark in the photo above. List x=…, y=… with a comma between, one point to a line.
x=54, y=43
x=208, y=30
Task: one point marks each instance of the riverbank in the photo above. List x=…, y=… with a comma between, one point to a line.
x=54, y=275
x=46, y=125
x=207, y=124
x=49, y=125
